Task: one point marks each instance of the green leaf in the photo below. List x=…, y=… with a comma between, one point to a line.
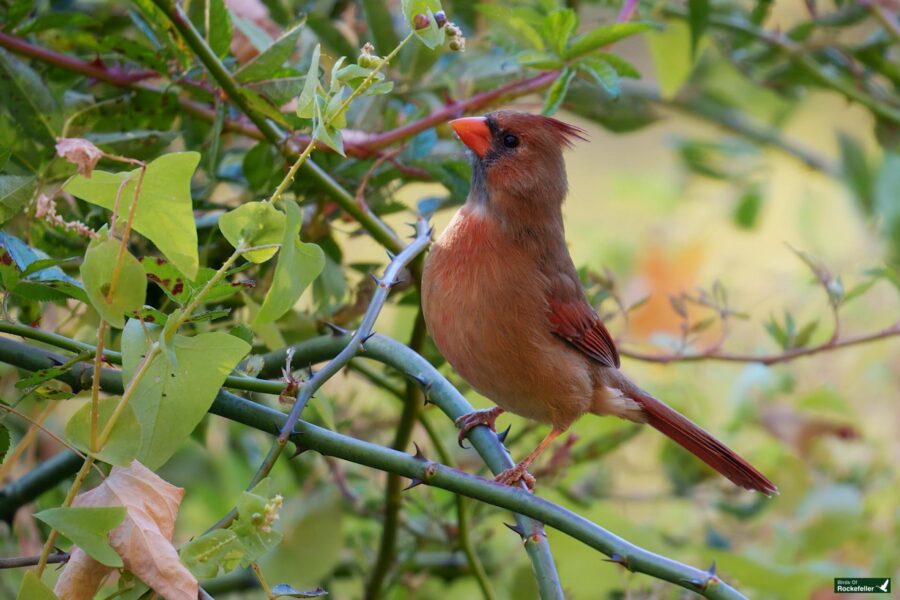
x=28, y=100
x=298, y=265
x=432, y=35
x=180, y=289
x=306, y=103
x=326, y=133
x=698, y=18
x=34, y=589
x=622, y=66
x=164, y=212
x=257, y=36
x=746, y=214
x=205, y=554
x=539, y=60
x=96, y=273
x=88, y=528
x=558, y=26
x=4, y=441
x=267, y=63
x=283, y=590
x=218, y=36
x=671, y=52
x=254, y=224
x=603, y=73
x=604, y=36
x=257, y=510
x=124, y=441
x=15, y=192
x=557, y=92
x=179, y=386
x=857, y=172
x=20, y=278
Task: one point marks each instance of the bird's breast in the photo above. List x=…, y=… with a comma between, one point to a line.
x=483, y=302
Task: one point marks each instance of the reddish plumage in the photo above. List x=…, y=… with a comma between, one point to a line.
x=504, y=304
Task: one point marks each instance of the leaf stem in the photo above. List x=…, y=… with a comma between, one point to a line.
x=95, y=384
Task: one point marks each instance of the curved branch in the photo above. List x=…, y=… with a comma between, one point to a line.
x=766, y=359
x=364, y=453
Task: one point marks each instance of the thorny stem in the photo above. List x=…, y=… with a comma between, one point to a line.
x=360, y=89
x=393, y=270
x=393, y=501
x=343, y=447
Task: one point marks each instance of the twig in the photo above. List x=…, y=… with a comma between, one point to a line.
x=340, y=446
x=765, y=359
x=29, y=561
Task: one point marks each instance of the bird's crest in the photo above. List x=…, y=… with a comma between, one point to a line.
x=565, y=133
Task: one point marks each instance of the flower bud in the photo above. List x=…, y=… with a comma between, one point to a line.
x=440, y=17
x=420, y=21
x=458, y=44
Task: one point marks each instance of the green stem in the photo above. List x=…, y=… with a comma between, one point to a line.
x=329, y=443
x=376, y=228
x=393, y=501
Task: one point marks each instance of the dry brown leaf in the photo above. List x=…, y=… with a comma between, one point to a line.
x=143, y=540
x=80, y=152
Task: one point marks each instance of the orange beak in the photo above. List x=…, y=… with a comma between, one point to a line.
x=474, y=133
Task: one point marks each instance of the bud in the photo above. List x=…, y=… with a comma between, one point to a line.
x=458, y=44
x=440, y=17
x=420, y=21
x=367, y=61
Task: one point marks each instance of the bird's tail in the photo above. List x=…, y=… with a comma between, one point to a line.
x=702, y=445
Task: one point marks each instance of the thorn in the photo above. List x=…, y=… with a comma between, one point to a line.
x=701, y=585
x=368, y=337
x=309, y=370
x=423, y=383
x=617, y=558
x=375, y=279
x=516, y=529
x=413, y=225
x=712, y=569
x=391, y=255
x=299, y=450
x=502, y=436
x=419, y=455
x=462, y=444
x=413, y=483
x=336, y=330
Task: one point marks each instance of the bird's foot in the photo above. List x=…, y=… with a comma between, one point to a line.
x=487, y=417
x=516, y=474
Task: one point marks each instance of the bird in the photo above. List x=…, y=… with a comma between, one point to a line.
x=504, y=305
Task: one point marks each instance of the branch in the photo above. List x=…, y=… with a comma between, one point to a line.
x=371, y=223
x=766, y=359
x=364, y=453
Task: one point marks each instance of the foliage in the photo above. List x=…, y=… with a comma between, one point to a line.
x=230, y=153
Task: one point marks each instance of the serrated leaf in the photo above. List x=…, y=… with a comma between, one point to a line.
x=265, y=64
x=298, y=265
x=558, y=26
x=164, y=213
x=96, y=272
x=539, y=60
x=124, y=442
x=557, y=92
x=306, y=102
x=206, y=554
x=28, y=100
x=179, y=386
x=262, y=105
x=604, y=74
x=604, y=36
x=15, y=192
x=622, y=66
x=88, y=528
x=219, y=31
x=254, y=224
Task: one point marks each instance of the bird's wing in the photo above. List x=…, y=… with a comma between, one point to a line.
x=575, y=321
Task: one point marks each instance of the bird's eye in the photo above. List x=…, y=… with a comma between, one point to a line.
x=510, y=141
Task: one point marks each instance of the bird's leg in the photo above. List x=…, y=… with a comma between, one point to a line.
x=486, y=416
x=520, y=472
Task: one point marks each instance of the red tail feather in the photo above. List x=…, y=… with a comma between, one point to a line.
x=704, y=446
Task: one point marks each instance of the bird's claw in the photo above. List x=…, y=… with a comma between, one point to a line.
x=475, y=418
x=516, y=474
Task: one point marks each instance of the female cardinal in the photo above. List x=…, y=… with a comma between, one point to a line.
x=504, y=304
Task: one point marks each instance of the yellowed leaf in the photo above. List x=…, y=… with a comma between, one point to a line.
x=143, y=540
